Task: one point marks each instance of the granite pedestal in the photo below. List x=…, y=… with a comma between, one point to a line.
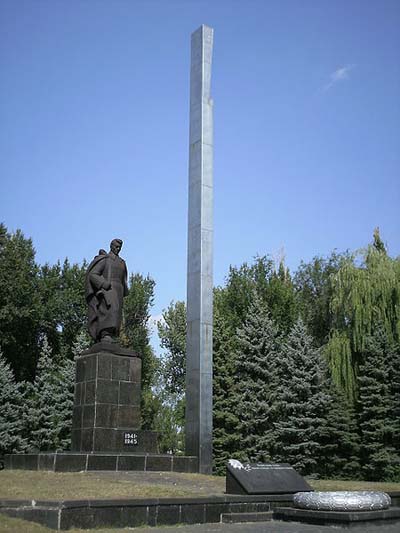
x=106, y=415
x=106, y=426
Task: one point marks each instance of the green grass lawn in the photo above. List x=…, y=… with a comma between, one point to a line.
x=27, y=484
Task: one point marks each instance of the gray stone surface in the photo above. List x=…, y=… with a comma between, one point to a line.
x=361, y=500
x=269, y=527
x=200, y=254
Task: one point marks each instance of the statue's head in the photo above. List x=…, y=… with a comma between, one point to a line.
x=115, y=246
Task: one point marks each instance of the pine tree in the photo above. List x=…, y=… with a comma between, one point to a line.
x=81, y=343
x=301, y=401
x=11, y=402
x=50, y=403
x=378, y=457
x=393, y=362
x=339, y=442
x=226, y=439
x=258, y=345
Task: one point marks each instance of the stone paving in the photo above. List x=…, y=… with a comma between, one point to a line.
x=270, y=527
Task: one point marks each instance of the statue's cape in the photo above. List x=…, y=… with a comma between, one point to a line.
x=91, y=298
x=91, y=293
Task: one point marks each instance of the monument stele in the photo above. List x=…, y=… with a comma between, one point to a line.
x=200, y=254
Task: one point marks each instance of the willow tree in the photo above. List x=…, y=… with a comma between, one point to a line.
x=366, y=292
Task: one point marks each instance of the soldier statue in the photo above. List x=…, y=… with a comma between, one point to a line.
x=106, y=287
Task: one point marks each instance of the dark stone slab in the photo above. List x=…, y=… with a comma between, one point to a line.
x=106, y=415
x=104, y=366
x=102, y=462
x=77, y=394
x=46, y=517
x=120, y=368
x=134, y=516
x=70, y=463
x=104, y=440
x=168, y=515
x=131, y=462
x=155, y=463
x=90, y=392
x=135, y=370
x=77, y=416
x=82, y=518
x=152, y=515
x=108, y=516
x=89, y=365
x=107, y=391
x=76, y=439
x=129, y=393
x=193, y=514
x=185, y=464
x=46, y=461
x=213, y=511
x=88, y=416
x=264, y=478
x=129, y=417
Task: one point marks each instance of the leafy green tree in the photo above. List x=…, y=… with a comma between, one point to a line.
x=62, y=293
x=19, y=303
x=273, y=286
x=172, y=334
x=313, y=284
x=366, y=291
x=301, y=401
x=135, y=335
x=378, y=456
x=258, y=347
x=11, y=402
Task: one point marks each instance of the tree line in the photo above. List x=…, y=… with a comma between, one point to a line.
x=306, y=366
x=42, y=331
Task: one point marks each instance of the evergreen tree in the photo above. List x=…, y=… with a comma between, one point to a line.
x=11, y=402
x=258, y=345
x=19, y=303
x=339, y=442
x=378, y=457
x=301, y=401
x=226, y=439
x=82, y=343
x=51, y=402
x=393, y=362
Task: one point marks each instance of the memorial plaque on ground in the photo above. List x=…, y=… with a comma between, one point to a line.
x=263, y=478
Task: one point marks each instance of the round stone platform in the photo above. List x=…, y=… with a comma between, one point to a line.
x=362, y=500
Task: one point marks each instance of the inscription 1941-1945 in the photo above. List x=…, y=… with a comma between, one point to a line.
x=131, y=439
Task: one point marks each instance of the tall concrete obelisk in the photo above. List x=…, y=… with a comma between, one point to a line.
x=200, y=255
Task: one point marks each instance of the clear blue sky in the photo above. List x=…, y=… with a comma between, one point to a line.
x=94, y=128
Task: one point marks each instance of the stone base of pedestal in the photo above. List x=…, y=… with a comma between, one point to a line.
x=114, y=440
x=115, y=462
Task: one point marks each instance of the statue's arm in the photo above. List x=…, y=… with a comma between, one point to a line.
x=96, y=276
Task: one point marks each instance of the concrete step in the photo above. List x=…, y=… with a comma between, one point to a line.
x=237, y=518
